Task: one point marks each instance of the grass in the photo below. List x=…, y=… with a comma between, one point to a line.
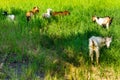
x=57, y=49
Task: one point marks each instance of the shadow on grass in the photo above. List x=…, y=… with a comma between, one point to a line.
x=71, y=48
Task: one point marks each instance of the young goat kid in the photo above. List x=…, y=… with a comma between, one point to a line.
x=29, y=14
x=9, y=16
x=105, y=22
x=95, y=43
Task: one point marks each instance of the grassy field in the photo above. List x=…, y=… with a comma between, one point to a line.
x=57, y=49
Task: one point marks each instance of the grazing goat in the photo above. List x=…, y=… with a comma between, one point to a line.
x=48, y=14
x=29, y=14
x=105, y=22
x=95, y=43
x=61, y=13
x=9, y=16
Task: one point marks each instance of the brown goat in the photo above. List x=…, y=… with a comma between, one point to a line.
x=29, y=14
x=61, y=13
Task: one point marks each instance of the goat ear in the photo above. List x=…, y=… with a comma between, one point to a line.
x=93, y=15
x=34, y=7
x=98, y=17
x=5, y=11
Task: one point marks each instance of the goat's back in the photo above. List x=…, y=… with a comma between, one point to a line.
x=62, y=13
x=96, y=41
x=29, y=13
x=11, y=17
x=107, y=20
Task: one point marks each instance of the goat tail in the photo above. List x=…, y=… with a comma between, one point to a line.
x=93, y=44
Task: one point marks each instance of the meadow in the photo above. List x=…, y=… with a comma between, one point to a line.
x=57, y=48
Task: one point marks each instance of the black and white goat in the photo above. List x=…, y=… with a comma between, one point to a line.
x=9, y=16
x=95, y=43
x=105, y=22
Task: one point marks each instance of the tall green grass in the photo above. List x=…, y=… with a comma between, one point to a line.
x=57, y=49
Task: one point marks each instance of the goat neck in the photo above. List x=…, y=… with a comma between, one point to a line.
x=48, y=12
x=103, y=41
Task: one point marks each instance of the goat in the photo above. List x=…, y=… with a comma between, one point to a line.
x=95, y=43
x=29, y=14
x=105, y=22
x=48, y=14
x=62, y=13
x=9, y=16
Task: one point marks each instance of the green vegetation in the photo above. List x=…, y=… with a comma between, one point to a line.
x=57, y=49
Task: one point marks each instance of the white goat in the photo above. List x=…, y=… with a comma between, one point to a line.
x=48, y=14
x=105, y=22
x=95, y=43
x=9, y=16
